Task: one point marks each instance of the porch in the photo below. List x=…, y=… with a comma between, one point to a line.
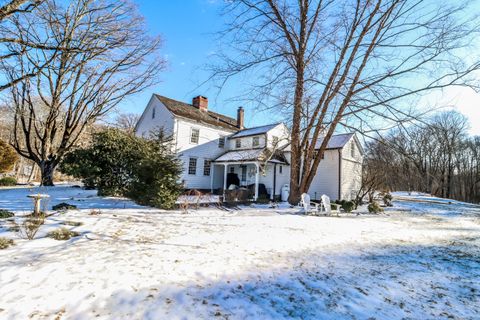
x=256, y=179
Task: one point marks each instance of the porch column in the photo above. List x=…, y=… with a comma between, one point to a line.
x=224, y=180
x=212, y=173
x=256, y=181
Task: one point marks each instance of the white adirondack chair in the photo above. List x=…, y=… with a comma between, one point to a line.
x=326, y=206
x=307, y=205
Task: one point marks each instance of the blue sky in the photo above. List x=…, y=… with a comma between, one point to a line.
x=188, y=27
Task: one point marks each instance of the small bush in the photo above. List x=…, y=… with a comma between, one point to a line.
x=348, y=206
x=62, y=234
x=374, y=207
x=8, y=182
x=72, y=223
x=95, y=212
x=29, y=227
x=14, y=228
x=64, y=206
x=5, y=214
x=387, y=199
x=5, y=243
x=334, y=206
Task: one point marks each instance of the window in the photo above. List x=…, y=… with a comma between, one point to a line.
x=221, y=142
x=280, y=169
x=232, y=170
x=153, y=113
x=255, y=141
x=244, y=173
x=238, y=143
x=192, y=166
x=194, y=134
x=352, y=150
x=206, y=167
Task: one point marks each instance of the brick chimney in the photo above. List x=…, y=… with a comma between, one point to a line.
x=200, y=102
x=240, y=118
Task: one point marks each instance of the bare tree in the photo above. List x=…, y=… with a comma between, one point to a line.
x=127, y=122
x=335, y=64
x=437, y=157
x=106, y=56
x=9, y=37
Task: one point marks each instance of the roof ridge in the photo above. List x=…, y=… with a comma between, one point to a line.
x=264, y=125
x=187, y=110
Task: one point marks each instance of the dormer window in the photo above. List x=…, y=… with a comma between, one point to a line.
x=238, y=143
x=255, y=141
x=194, y=135
x=221, y=142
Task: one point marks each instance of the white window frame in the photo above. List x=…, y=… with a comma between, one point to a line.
x=192, y=130
x=255, y=141
x=221, y=142
x=207, y=168
x=190, y=166
x=238, y=143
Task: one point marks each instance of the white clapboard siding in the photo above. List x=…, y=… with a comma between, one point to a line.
x=351, y=170
x=155, y=116
x=207, y=148
x=282, y=133
x=246, y=142
x=326, y=179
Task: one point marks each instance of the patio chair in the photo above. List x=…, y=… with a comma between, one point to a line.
x=326, y=205
x=307, y=205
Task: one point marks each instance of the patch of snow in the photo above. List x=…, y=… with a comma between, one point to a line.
x=254, y=131
x=336, y=141
x=240, y=155
x=15, y=199
x=256, y=262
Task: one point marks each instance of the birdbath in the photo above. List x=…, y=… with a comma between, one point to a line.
x=37, y=198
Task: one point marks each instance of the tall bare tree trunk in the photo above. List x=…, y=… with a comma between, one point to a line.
x=47, y=169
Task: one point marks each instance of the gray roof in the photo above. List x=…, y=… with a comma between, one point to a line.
x=188, y=111
x=337, y=141
x=255, y=131
x=252, y=155
x=240, y=155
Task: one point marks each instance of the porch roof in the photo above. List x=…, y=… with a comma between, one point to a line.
x=251, y=155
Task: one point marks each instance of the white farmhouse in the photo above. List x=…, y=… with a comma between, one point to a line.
x=217, y=151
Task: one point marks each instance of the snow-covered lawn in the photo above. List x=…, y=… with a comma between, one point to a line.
x=256, y=263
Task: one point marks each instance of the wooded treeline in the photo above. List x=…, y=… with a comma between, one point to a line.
x=436, y=157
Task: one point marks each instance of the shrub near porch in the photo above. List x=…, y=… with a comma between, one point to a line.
x=121, y=164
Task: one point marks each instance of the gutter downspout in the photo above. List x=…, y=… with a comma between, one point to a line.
x=339, y=174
